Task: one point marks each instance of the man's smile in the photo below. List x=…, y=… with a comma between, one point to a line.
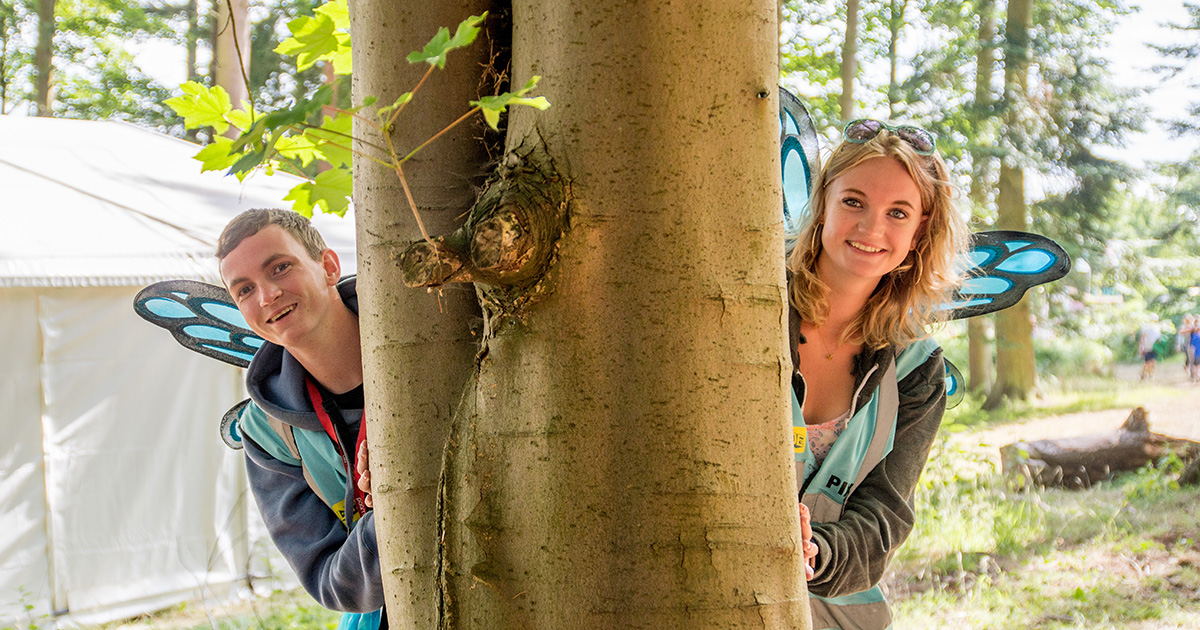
x=281, y=314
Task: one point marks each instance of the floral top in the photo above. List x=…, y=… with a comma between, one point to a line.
x=822, y=436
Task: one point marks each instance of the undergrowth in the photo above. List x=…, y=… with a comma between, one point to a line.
x=985, y=554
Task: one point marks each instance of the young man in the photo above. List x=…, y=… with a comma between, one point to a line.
x=303, y=426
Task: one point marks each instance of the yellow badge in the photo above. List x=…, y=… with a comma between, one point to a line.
x=799, y=438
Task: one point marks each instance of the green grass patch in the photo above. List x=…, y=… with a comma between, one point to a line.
x=288, y=610
x=1122, y=554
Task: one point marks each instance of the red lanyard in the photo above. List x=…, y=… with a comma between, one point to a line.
x=314, y=394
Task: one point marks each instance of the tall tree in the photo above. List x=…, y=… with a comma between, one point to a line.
x=231, y=48
x=849, y=63
x=895, y=24
x=979, y=354
x=1178, y=58
x=620, y=456
x=1016, y=373
x=43, y=59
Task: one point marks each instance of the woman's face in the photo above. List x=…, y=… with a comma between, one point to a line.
x=873, y=216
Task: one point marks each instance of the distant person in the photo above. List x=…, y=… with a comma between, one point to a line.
x=1194, y=350
x=1148, y=335
x=1183, y=341
x=872, y=265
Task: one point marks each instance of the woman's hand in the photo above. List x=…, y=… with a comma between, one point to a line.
x=810, y=547
x=364, y=479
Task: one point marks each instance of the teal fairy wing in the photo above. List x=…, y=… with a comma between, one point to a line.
x=955, y=386
x=799, y=158
x=1003, y=265
x=201, y=317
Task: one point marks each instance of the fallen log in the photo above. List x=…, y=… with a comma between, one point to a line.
x=1078, y=462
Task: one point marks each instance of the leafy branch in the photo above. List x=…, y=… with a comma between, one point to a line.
x=291, y=139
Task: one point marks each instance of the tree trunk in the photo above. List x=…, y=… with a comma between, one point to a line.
x=231, y=51
x=978, y=350
x=621, y=458
x=43, y=60
x=192, y=38
x=418, y=347
x=849, y=62
x=979, y=356
x=895, y=23
x=1016, y=373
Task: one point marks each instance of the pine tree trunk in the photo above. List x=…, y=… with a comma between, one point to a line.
x=43, y=59
x=418, y=347
x=1015, y=369
x=849, y=67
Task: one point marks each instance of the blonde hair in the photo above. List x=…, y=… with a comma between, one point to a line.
x=913, y=295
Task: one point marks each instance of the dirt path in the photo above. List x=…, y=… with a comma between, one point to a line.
x=1174, y=409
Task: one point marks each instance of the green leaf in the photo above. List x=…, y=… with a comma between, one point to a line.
x=442, y=43
x=242, y=118
x=216, y=156
x=493, y=106
x=384, y=112
x=297, y=147
x=248, y=161
x=332, y=140
x=202, y=106
x=330, y=191
x=338, y=12
x=322, y=36
x=299, y=196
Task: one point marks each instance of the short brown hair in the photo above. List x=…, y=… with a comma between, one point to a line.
x=250, y=222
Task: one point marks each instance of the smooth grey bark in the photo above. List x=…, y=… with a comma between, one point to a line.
x=418, y=347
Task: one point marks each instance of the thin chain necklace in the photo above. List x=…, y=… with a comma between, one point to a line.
x=829, y=353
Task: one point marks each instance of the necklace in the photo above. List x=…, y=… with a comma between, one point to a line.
x=829, y=353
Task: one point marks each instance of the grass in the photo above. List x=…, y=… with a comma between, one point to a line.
x=289, y=610
x=1121, y=555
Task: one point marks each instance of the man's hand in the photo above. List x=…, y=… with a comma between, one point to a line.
x=810, y=547
x=364, y=471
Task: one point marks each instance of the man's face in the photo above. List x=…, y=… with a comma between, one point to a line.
x=283, y=293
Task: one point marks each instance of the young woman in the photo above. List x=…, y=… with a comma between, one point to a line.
x=871, y=268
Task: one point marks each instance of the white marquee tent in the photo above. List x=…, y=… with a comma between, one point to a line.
x=117, y=496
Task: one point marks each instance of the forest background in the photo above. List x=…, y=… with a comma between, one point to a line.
x=1129, y=222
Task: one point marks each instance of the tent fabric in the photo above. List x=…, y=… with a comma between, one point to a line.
x=112, y=204
x=117, y=495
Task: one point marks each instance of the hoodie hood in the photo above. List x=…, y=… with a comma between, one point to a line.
x=275, y=379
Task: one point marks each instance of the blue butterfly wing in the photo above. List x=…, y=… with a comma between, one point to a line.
x=230, y=431
x=955, y=385
x=799, y=158
x=201, y=317
x=1003, y=265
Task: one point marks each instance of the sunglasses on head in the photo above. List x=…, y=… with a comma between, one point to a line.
x=863, y=129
